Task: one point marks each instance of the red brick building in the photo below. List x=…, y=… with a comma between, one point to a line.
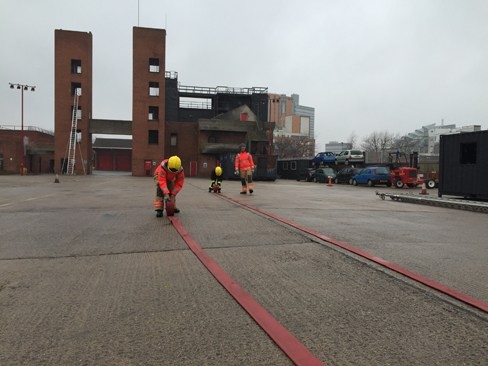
x=161, y=125
x=39, y=150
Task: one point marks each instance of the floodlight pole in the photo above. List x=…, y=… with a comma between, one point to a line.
x=22, y=87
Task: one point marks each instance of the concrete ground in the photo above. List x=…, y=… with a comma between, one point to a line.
x=89, y=275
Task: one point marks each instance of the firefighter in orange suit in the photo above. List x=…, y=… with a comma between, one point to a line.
x=169, y=178
x=244, y=167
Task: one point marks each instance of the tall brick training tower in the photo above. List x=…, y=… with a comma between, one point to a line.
x=73, y=52
x=148, y=99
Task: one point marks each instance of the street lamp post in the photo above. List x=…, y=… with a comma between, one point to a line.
x=22, y=87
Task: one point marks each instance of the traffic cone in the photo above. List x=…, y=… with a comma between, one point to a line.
x=330, y=182
x=424, y=189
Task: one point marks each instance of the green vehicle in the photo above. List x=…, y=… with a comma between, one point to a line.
x=322, y=175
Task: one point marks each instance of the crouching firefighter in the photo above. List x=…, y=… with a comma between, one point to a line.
x=244, y=168
x=169, y=178
x=216, y=179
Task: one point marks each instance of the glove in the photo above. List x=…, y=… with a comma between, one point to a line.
x=166, y=197
x=236, y=172
x=252, y=171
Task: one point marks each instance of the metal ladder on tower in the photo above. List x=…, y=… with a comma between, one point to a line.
x=72, y=136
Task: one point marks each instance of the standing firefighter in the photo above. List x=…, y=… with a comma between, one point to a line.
x=169, y=178
x=216, y=179
x=244, y=167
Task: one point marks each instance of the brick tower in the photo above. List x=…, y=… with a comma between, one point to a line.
x=72, y=71
x=148, y=99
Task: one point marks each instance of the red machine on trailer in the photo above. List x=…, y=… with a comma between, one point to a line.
x=404, y=174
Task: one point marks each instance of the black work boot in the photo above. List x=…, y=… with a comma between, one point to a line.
x=159, y=213
x=177, y=210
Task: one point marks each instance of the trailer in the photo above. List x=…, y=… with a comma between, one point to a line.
x=429, y=169
x=458, y=204
x=463, y=165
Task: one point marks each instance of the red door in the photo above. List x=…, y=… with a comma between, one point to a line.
x=147, y=167
x=193, y=168
x=105, y=161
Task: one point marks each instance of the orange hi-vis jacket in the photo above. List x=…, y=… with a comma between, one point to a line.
x=163, y=175
x=244, y=161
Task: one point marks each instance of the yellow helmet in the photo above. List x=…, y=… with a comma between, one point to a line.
x=218, y=171
x=174, y=163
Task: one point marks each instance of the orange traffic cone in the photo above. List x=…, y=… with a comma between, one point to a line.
x=424, y=189
x=330, y=182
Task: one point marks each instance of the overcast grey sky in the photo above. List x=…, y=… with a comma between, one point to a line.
x=364, y=65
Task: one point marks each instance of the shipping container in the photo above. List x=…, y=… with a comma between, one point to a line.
x=290, y=168
x=463, y=165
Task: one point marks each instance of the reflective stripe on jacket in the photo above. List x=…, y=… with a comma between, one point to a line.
x=244, y=161
x=162, y=175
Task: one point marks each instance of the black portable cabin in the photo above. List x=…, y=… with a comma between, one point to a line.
x=290, y=168
x=463, y=165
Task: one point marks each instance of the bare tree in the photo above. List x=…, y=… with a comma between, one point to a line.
x=294, y=146
x=405, y=144
x=353, y=138
x=378, y=143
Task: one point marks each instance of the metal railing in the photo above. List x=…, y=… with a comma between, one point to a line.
x=26, y=128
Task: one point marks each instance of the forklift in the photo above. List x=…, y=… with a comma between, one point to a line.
x=404, y=173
